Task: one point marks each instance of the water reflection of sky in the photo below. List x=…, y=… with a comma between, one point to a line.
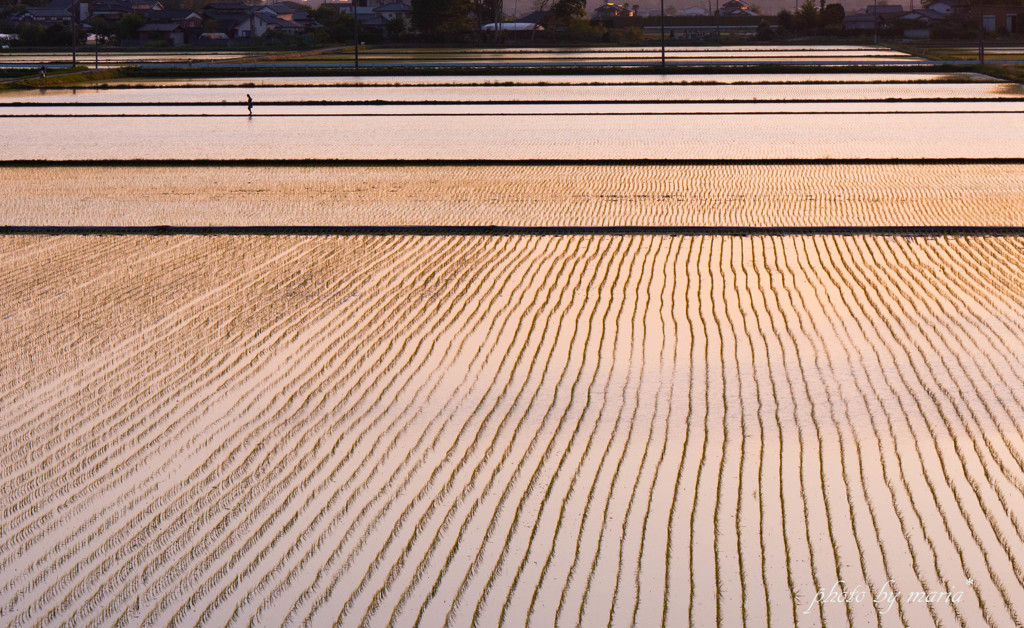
x=711, y=136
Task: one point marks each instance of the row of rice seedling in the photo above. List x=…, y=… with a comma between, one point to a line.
x=652, y=430
x=839, y=195
x=156, y=383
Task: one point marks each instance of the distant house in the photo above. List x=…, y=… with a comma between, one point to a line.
x=262, y=22
x=228, y=15
x=191, y=22
x=1001, y=17
x=56, y=12
x=735, y=7
x=141, y=6
x=44, y=16
x=393, y=11
x=365, y=14
x=610, y=11
x=291, y=12
x=173, y=34
x=186, y=18
x=923, y=17
x=943, y=8
x=110, y=10
x=874, y=16
x=861, y=22
x=918, y=24
x=888, y=11
x=692, y=11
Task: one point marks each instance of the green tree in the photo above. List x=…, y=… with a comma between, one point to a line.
x=57, y=35
x=565, y=10
x=486, y=12
x=337, y=27
x=102, y=28
x=785, y=20
x=395, y=28
x=441, y=19
x=806, y=19
x=128, y=26
x=583, y=30
x=31, y=35
x=832, y=15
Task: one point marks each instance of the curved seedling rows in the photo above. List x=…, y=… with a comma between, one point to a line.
x=592, y=429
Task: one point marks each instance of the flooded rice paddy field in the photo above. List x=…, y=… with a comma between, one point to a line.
x=638, y=97
x=423, y=120
x=768, y=195
x=561, y=79
x=652, y=430
x=476, y=429
x=519, y=137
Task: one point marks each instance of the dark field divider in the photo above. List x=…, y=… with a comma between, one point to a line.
x=405, y=163
x=511, y=230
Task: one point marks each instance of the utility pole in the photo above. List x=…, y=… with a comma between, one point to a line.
x=74, y=34
x=981, y=32
x=718, y=25
x=499, y=9
x=355, y=19
x=662, y=35
x=876, y=22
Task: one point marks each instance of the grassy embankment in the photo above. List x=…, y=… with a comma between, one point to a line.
x=60, y=78
x=1010, y=66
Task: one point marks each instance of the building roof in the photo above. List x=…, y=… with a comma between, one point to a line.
x=860, y=20
x=44, y=12
x=63, y=5
x=276, y=22
x=537, y=17
x=885, y=9
x=171, y=15
x=393, y=7
x=610, y=8
x=160, y=28
x=926, y=15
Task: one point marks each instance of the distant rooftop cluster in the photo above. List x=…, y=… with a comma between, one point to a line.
x=215, y=23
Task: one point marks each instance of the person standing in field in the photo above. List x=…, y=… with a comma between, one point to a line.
x=249, y=96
